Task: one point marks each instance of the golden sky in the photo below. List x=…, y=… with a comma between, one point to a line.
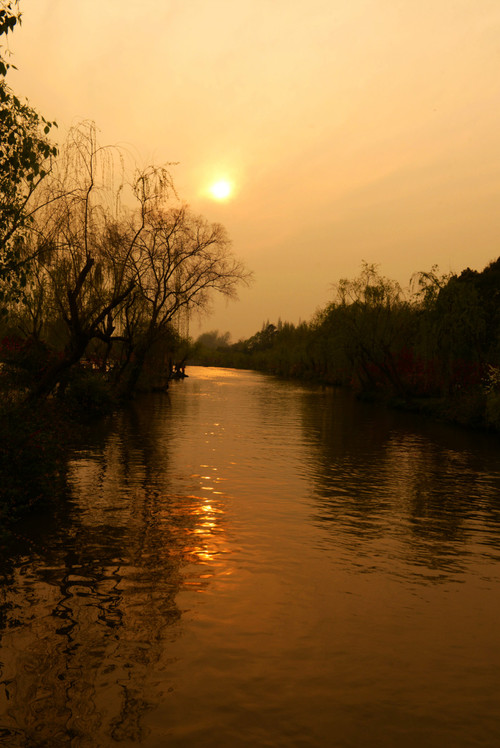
x=351, y=129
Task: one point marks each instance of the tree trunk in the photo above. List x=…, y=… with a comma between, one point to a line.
x=135, y=371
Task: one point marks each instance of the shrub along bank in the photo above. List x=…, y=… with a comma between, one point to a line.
x=434, y=348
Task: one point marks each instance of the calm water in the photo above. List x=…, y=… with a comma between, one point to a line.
x=251, y=562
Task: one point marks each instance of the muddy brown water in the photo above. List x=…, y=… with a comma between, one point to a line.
x=246, y=561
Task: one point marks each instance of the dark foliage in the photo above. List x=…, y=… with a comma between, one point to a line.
x=32, y=460
x=436, y=350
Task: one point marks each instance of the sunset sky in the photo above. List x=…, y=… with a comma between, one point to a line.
x=349, y=130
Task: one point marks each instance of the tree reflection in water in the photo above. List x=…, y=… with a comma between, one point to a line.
x=90, y=608
x=399, y=493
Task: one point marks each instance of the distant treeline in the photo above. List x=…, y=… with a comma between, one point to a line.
x=434, y=348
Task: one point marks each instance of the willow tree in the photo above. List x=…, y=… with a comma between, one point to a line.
x=178, y=261
x=369, y=324
x=83, y=243
x=121, y=263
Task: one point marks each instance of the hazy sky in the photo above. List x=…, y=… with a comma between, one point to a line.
x=352, y=129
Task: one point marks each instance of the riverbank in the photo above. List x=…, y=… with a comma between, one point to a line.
x=33, y=450
x=36, y=436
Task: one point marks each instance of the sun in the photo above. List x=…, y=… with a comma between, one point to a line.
x=221, y=190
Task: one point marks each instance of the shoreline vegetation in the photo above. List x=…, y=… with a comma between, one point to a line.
x=432, y=349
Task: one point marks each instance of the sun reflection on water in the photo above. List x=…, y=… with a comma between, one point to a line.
x=208, y=530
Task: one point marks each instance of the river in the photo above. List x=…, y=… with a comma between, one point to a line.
x=247, y=562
